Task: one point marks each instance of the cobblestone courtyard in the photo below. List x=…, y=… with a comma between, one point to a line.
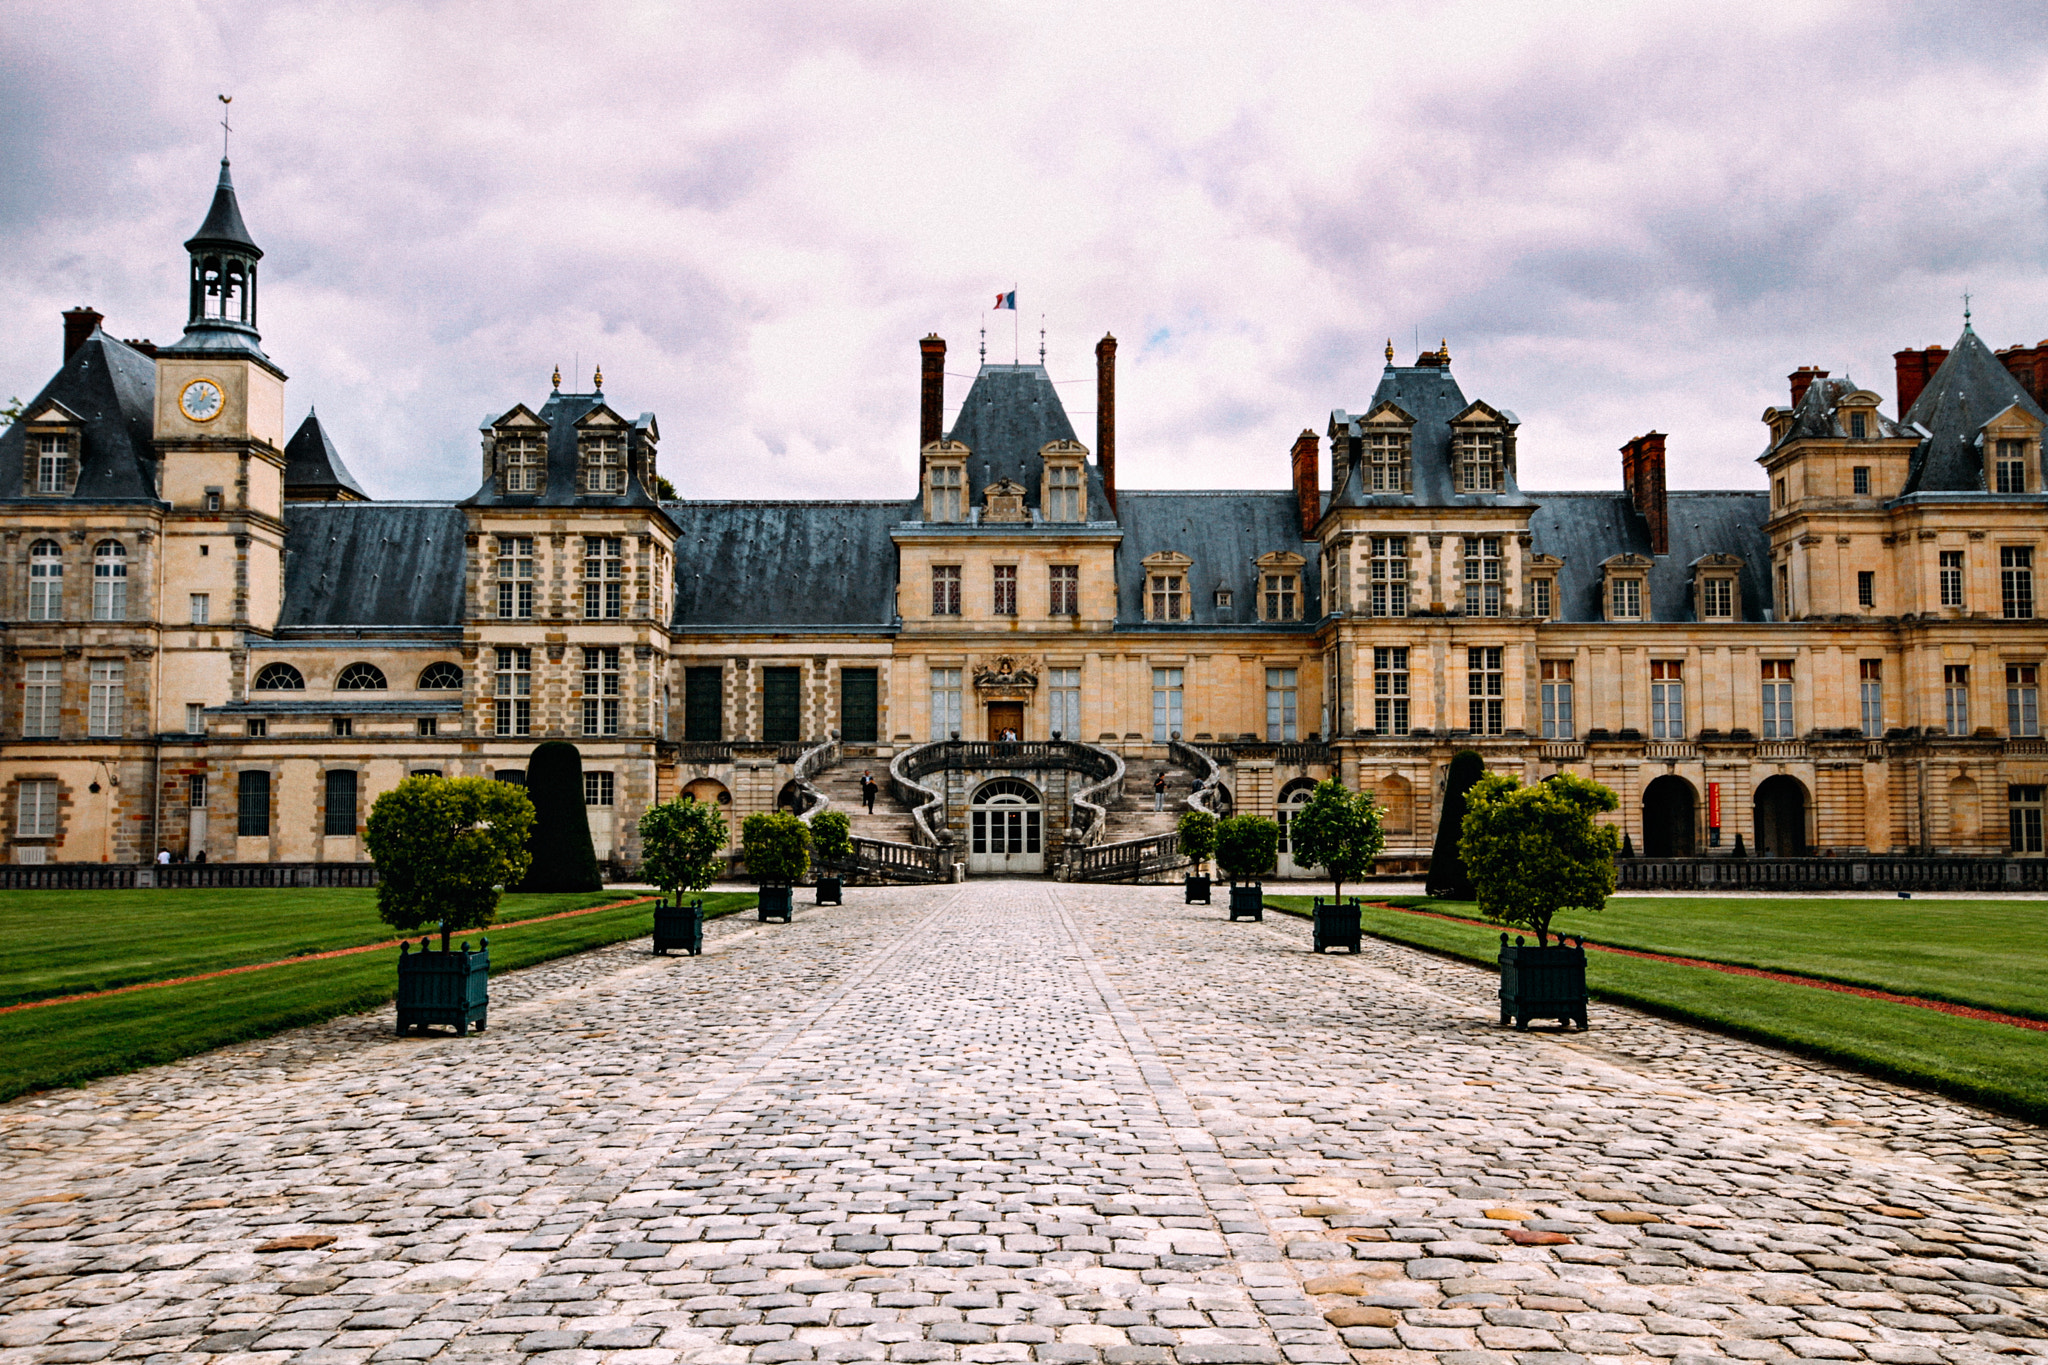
x=1014, y=1121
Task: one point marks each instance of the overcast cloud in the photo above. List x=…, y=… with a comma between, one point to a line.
x=1621, y=216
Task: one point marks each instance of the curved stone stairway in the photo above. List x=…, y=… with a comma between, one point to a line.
x=841, y=782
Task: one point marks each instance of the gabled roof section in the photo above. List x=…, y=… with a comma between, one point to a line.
x=1222, y=534
x=563, y=416
x=1429, y=395
x=110, y=388
x=776, y=565
x=1818, y=416
x=1585, y=530
x=373, y=564
x=1011, y=413
x=313, y=471
x=1971, y=387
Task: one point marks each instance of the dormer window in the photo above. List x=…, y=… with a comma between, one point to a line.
x=1627, y=588
x=1064, y=496
x=2010, y=466
x=522, y=459
x=1280, y=586
x=1166, y=587
x=53, y=462
x=944, y=500
x=603, y=456
x=1859, y=426
x=1478, y=461
x=1387, y=461
x=1717, y=599
x=1542, y=570
x=51, y=452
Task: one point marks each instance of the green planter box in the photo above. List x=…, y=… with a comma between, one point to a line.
x=831, y=891
x=1248, y=902
x=444, y=988
x=1336, y=924
x=1542, y=982
x=775, y=904
x=1197, y=890
x=679, y=926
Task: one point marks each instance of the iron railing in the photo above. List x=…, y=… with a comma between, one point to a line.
x=1932, y=873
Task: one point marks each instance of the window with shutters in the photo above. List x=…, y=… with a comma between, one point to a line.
x=108, y=700
x=1555, y=684
x=604, y=574
x=1485, y=691
x=945, y=589
x=109, y=581
x=1390, y=689
x=1065, y=585
x=781, y=704
x=1389, y=576
x=1482, y=575
x=42, y=698
x=515, y=577
x=35, y=808
x=252, y=804
x=601, y=691
x=513, y=694
x=340, y=814
x=704, y=705
x=45, y=581
x=1667, y=699
x=1777, y=699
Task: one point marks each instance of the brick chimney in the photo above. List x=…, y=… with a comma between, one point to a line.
x=1642, y=472
x=1105, y=415
x=2029, y=365
x=1307, y=493
x=1803, y=379
x=78, y=325
x=931, y=410
x=1914, y=369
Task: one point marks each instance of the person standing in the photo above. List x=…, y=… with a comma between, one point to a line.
x=868, y=789
x=1159, y=792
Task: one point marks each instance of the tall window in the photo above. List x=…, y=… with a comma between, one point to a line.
x=600, y=691
x=515, y=577
x=604, y=574
x=2025, y=803
x=1866, y=588
x=1168, y=596
x=1556, y=692
x=2011, y=466
x=1625, y=599
x=1951, y=578
x=1066, y=589
x=1859, y=477
x=598, y=789
x=1065, y=685
x=202, y=608
x=1539, y=597
x=1282, y=713
x=1784, y=592
x=1389, y=576
x=2023, y=699
x=1870, y=686
x=1006, y=590
x=109, y=581
x=514, y=699
x=340, y=818
x=35, y=808
x=704, y=704
x=1387, y=459
x=945, y=703
x=1777, y=698
x=1717, y=599
x=1667, y=699
x=53, y=463
x=1282, y=591
x=604, y=463
x=947, y=490
x=1859, y=429
x=252, y=803
x=1166, y=704
x=1485, y=691
x=107, y=702
x=523, y=457
x=1955, y=698
x=1063, y=492
x=2016, y=581
x=945, y=589
x=45, y=581
x=42, y=693
x=1478, y=454
x=1482, y=575
x=1390, y=689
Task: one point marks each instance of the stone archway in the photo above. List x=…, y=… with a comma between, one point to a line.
x=1781, y=804
x=1293, y=797
x=1670, y=810
x=1006, y=828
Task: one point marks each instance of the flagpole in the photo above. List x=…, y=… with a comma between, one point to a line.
x=1016, y=346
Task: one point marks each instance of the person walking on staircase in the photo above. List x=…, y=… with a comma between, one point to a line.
x=1159, y=792
x=868, y=789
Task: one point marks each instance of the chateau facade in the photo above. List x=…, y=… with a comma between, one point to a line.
x=216, y=641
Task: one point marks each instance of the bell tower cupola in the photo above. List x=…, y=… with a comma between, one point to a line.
x=222, y=312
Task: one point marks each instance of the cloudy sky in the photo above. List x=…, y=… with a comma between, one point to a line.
x=1621, y=216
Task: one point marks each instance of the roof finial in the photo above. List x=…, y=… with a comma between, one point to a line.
x=984, y=342
x=1390, y=350
x=225, y=101
x=597, y=378
x=1966, y=312
x=1041, y=338
x=556, y=379
x=1443, y=350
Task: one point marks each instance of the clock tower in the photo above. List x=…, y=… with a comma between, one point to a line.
x=220, y=432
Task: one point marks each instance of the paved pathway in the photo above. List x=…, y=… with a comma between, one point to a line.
x=1013, y=1121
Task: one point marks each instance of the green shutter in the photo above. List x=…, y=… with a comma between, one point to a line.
x=781, y=704
x=857, y=705
x=703, y=704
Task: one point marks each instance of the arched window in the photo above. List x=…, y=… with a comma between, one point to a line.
x=279, y=678
x=360, y=677
x=109, y=581
x=440, y=676
x=45, y=581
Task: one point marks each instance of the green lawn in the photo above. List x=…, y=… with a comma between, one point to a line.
x=1998, y=1065
x=65, y=1044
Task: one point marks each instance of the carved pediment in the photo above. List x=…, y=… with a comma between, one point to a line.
x=1007, y=674
x=1004, y=501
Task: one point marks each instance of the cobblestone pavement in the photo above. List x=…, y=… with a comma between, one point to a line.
x=1013, y=1121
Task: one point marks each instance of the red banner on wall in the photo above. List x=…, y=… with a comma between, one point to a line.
x=1713, y=805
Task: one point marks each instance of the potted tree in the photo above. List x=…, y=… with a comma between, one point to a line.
x=1534, y=851
x=1247, y=847
x=1448, y=878
x=445, y=850
x=1339, y=831
x=563, y=857
x=1197, y=830
x=832, y=840
x=777, y=848
x=682, y=849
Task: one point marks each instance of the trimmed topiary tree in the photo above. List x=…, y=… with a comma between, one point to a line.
x=1339, y=831
x=1537, y=850
x=563, y=857
x=776, y=846
x=1247, y=847
x=1197, y=829
x=831, y=837
x=682, y=845
x=445, y=849
x=1448, y=878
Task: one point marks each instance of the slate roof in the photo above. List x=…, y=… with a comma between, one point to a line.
x=111, y=388
x=1432, y=397
x=561, y=412
x=783, y=564
x=1585, y=529
x=1009, y=415
x=1971, y=387
x=1818, y=415
x=223, y=226
x=1224, y=533
x=373, y=563
x=312, y=466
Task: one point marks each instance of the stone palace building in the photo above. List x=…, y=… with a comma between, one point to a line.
x=216, y=640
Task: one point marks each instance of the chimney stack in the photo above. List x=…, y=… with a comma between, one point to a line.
x=1105, y=415
x=931, y=411
x=1642, y=471
x=1913, y=370
x=79, y=323
x=1307, y=493
x=1803, y=379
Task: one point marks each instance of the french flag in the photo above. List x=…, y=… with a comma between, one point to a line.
x=1008, y=300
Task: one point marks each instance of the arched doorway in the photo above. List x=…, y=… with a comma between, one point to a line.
x=1669, y=808
x=1781, y=818
x=1292, y=799
x=1005, y=828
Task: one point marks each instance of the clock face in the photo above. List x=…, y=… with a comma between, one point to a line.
x=201, y=400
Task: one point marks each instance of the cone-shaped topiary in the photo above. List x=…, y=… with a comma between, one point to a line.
x=1448, y=878
x=563, y=859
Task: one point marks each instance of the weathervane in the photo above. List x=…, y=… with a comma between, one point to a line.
x=1041, y=338
x=1966, y=310
x=225, y=101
